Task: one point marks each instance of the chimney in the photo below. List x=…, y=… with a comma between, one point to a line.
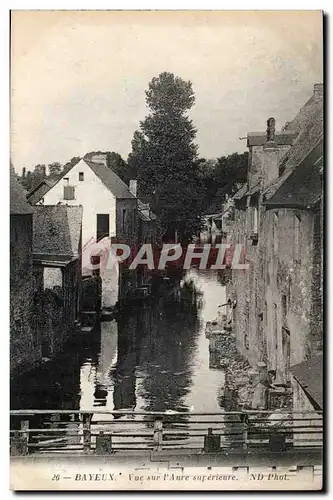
x=133, y=185
x=318, y=90
x=270, y=161
x=97, y=158
x=43, y=171
x=23, y=173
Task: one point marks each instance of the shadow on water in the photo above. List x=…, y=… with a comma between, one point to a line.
x=152, y=357
x=155, y=349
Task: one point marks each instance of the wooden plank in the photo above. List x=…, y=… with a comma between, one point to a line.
x=158, y=413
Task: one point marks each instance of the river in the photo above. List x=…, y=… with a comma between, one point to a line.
x=153, y=357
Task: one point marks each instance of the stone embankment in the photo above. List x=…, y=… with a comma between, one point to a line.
x=237, y=393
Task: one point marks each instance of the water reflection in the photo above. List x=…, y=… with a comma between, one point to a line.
x=153, y=357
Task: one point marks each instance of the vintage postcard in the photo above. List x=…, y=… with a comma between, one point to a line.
x=166, y=250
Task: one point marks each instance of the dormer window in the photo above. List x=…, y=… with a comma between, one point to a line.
x=81, y=176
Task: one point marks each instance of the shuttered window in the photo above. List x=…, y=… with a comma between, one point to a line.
x=69, y=193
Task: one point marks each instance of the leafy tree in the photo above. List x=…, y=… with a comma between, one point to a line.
x=71, y=164
x=164, y=153
x=220, y=177
x=32, y=179
x=230, y=171
x=136, y=157
x=119, y=166
x=54, y=170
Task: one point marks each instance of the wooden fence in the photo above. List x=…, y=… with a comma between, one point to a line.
x=105, y=431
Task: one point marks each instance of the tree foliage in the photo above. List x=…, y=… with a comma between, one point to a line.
x=164, y=154
x=222, y=176
x=119, y=166
x=55, y=169
x=71, y=163
x=30, y=180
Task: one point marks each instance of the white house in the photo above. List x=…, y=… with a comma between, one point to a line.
x=109, y=209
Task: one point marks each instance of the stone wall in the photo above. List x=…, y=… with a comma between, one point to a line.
x=56, y=306
x=317, y=283
x=25, y=347
x=127, y=233
x=289, y=289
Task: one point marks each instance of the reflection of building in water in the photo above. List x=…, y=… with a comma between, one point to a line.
x=124, y=376
x=109, y=350
x=100, y=394
x=166, y=355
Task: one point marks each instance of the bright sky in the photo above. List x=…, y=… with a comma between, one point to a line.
x=78, y=78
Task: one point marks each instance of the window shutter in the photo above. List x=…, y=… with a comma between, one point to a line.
x=69, y=192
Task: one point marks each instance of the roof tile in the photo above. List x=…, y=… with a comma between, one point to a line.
x=57, y=230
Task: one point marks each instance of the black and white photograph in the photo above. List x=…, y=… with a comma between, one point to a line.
x=166, y=250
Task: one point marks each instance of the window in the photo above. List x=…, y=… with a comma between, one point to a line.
x=286, y=352
x=275, y=328
x=297, y=238
x=255, y=220
x=123, y=220
x=69, y=193
x=134, y=220
x=265, y=315
x=284, y=309
x=275, y=231
x=247, y=316
x=103, y=226
x=81, y=176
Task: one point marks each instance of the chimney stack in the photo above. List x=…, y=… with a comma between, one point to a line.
x=97, y=158
x=133, y=186
x=43, y=171
x=23, y=173
x=270, y=164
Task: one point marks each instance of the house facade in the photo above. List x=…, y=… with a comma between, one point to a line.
x=279, y=218
x=57, y=243
x=244, y=227
x=109, y=212
x=109, y=208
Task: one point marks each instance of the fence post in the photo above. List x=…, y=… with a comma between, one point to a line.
x=245, y=420
x=25, y=427
x=212, y=442
x=158, y=434
x=18, y=445
x=86, y=419
x=103, y=444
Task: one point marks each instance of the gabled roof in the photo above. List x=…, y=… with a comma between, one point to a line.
x=240, y=193
x=110, y=179
x=309, y=375
x=145, y=213
x=309, y=127
x=283, y=138
x=39, y=191
x=46, y=182
x=304, y=186
x=57, y=230
x=18, y=202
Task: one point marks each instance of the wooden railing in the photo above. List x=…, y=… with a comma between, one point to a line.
x=106, y=431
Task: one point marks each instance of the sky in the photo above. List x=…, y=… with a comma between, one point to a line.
x=78, y=79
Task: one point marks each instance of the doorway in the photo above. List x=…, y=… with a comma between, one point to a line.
x=103, y=226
